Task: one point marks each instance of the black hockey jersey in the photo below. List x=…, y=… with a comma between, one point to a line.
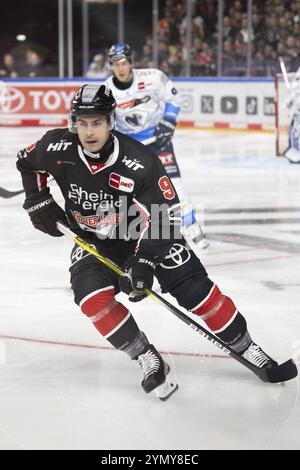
x=113, y=201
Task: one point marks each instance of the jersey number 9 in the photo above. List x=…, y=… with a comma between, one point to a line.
x=166, y=187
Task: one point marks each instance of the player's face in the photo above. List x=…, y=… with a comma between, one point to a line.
x=122, y=70
x=93, y=132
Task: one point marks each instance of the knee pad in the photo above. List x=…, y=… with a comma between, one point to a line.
x=201, y=296
x=216, y=309
x=104, y=311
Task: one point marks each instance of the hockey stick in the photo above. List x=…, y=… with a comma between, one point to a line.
x=287, y=83
x=284, y=73
x=6, y=194
x=280, y=373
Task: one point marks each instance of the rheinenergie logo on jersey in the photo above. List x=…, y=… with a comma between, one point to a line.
x=91, y=201
x=124, y=218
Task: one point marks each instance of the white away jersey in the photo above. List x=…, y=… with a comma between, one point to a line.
x=150, y=98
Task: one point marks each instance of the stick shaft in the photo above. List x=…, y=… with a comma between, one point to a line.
x=153, y=295
x=284, y=73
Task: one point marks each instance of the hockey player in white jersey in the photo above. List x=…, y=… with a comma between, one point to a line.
x=147, y=109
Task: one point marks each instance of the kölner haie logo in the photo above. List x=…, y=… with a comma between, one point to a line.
x=121, y=182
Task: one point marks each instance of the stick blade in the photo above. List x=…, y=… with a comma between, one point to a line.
x=8, y=194
x=281, y=373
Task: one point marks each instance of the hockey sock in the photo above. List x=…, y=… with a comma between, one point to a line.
x=137, y=345
x=112, y=319
x=236, y=334
x=222, y=317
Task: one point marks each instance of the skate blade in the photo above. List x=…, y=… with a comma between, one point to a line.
x=198, y=246
x=165, y=390
x=202, y=244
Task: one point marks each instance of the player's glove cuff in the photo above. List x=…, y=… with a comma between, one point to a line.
x=164, y=132
x=139, y=272
x=44, y=212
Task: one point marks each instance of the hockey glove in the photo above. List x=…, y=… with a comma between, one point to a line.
x=138, y=276
x=44, y=212
x=164, y=132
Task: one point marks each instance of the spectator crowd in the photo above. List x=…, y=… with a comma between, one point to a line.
x=274, y=33
x=30, y=64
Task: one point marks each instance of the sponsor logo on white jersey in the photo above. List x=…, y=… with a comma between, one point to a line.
x=128, y=104
x=121, y=182
x=166, y=158
x=57, y=146
x=133, y=164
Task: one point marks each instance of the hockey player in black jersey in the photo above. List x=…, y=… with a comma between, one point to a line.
x=103, y=175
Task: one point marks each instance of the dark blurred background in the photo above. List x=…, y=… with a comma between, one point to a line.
x=214, y=37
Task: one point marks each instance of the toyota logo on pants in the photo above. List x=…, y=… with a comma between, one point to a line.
x=177, y=256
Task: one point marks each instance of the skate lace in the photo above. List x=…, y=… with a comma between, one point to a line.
x=149, y=363
x=256, y=356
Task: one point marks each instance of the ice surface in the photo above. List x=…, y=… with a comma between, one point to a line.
x=63, y=387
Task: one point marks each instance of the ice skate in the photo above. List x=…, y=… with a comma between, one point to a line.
x=155, y=371
x=258, y=357
x=194, y=234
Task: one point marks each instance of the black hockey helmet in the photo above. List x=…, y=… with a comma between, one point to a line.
x=119, y=51
x=92, y=99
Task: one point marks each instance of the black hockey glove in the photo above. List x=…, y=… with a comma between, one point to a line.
x=164, y=132
x=138, y=276
x=44, y=212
